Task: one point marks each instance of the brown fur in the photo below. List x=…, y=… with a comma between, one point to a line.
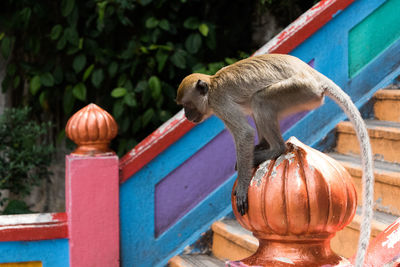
x=268, y=88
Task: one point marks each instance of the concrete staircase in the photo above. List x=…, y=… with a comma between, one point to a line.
x=232, y=242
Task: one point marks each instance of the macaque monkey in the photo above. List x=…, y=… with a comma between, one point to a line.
x=268, y=88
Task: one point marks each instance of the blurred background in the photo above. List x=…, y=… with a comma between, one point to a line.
x=127, y=56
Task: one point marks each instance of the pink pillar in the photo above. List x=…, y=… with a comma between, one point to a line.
x=92, y=205
x=92, y=190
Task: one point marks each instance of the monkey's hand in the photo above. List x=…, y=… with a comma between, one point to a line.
x=241, y=198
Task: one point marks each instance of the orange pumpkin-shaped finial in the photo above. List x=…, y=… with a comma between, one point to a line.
x=296, y=205
x=92, y=129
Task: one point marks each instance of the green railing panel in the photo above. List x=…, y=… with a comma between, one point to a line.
x=373, y=35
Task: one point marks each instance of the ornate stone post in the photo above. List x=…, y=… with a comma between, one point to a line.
x=92, y=189
x=296, y=205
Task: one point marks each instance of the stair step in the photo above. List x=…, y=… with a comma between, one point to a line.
x=344, y=243
x=387, y=182
x=231, y=241
x=387, y=105
x=195, y=260
x=384, y=135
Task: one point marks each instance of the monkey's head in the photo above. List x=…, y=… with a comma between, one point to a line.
x=193, y=96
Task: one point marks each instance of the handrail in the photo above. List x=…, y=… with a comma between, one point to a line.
x=32, y=227
x=304, y=26
x=177, y=126
x=153, y=145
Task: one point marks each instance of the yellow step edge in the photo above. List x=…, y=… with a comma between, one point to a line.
x=386, y=132
x=242, y=239
x=231, y=242
x=191, y=260
x=231, y=246
x=177, y=261
x=387, y=105
x=387, y=94
x=385, y=141
x=382, y=176
x=386, y=188
x=344, y=243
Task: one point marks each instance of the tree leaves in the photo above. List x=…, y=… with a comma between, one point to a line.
x=118, y=92
x=25, y=156
x=164, y=24
x=130, y=100
x=155, y=87
x=88, y=72
x=101, y=8
x=17, y=81
x=47, y=79
x=112, y=69
x=191, y=23
x=12, y=69
x=203, y=29
x=16, y=206
x=145, y=2
x=147, y=116
x=68, y=100
x=127, y=56
x=79, y=63
x=56, y=32
x=35, y=85
x=62, y=42
x=72, y=36
x=179, y=59
x=97, y=77
x=161, y=57
x=25, y=15
x=6, y=45
x=193, y=43
x=151, y=22
x=43, y=100
x=79, y=91
x=66, y=7
x=118, y=109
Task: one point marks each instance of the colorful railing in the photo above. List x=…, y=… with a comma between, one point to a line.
x=178, y=180
x=188, y=181
x=87, y=234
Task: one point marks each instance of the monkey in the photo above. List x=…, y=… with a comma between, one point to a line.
x=268, y=88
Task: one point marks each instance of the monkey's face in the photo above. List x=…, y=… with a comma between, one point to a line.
x=192, y=113
x=193, y=96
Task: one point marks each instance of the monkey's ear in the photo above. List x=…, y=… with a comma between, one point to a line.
x=202, y=87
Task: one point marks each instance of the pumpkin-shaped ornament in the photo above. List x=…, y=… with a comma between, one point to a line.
x=296, y=205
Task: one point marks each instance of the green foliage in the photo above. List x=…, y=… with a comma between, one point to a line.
x=285, y=11
x=127, y=56
x=24, y=155
x=16, y=206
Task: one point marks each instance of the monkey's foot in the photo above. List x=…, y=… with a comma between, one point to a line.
x=263, y=155
x=241, y=199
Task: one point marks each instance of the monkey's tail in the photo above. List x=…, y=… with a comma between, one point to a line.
x=344, y=101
